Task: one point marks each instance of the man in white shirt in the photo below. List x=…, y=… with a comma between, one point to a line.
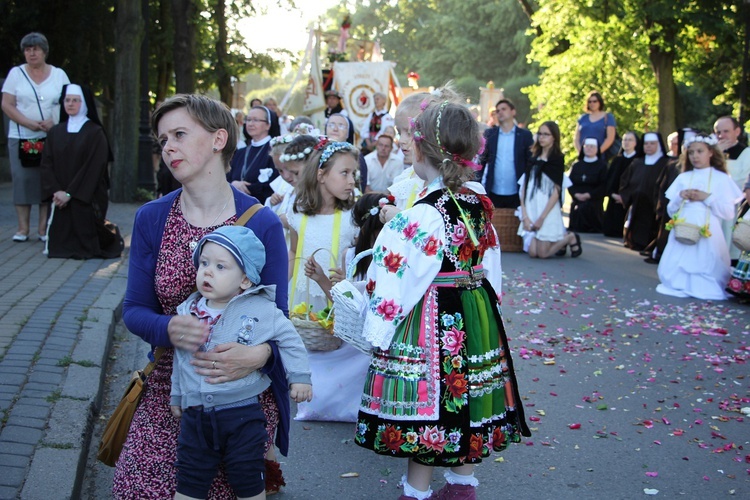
x=737, y=155
x=376, y=123
x=382, y=166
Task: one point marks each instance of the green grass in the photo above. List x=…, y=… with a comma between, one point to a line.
x=67, y=361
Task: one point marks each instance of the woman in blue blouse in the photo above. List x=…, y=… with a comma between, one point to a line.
x=596, y=123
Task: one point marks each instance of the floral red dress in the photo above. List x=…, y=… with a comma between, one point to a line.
x=146, y=467
x=441, y=387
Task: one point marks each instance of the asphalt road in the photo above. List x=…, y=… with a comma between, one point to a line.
x=629, y=394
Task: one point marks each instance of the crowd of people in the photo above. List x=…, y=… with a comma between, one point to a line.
x=632, y=188
x=259, y=217
x=429, y=228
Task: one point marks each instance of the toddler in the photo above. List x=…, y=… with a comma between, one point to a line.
x=224, y=423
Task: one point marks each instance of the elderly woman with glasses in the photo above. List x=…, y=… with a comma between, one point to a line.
x=340, y=128
x=31, y=99
x=596, y=123
x=252, y=166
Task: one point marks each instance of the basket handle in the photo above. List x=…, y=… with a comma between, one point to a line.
x=324, y=249
x=353, y=264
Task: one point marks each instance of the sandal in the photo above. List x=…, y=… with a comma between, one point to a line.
x=576, y=253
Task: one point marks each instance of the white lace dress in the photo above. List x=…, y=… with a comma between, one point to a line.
x=535, y=201
x=337, y=376
x=701, y=270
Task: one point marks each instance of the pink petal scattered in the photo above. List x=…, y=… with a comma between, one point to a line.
x=574, y=426
x=652, y=474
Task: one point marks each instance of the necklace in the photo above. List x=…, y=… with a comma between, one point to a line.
x=193, y=238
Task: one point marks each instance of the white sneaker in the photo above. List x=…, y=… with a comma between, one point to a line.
x=20, y=238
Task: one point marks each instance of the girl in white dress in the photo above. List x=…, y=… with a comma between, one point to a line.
x=541, y=186
x=702, y=194
x=321, y=218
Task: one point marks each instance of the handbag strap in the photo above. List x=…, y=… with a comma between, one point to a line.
x=245, y=217
x=33, y=89
x=152, y=364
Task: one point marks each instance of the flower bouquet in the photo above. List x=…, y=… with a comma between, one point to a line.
x=315, y=328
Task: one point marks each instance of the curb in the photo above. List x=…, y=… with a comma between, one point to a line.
x=59, y=464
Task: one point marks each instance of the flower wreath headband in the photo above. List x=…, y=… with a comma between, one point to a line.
x=419, y=137
x=329, y=149
x=283, y=139
x=375, y=210
x=711, y=140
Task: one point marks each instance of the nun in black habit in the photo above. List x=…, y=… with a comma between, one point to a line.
x=589, y=177
x=614, y=216
x=640, y=192
x=75, y=178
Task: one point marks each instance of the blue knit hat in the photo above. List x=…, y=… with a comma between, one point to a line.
x=244, y=246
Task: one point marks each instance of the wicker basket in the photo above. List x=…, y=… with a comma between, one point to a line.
x=506, y=226
x=741, y=235
x=686, y=233
x=349, y=320
x=315, y=336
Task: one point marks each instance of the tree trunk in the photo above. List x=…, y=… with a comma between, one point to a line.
x=529, y=11
x=223, y=79
x=128, y=37
x=183, y=15
x=164, y=67
x=662, y=62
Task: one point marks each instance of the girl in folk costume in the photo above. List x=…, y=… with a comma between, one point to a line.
x=701, y=195
x=321, y=218
x=441, y=389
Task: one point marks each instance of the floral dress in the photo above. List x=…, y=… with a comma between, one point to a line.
x=440, y=387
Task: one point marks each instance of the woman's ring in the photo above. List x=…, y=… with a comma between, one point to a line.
x=213, y=366
x=181, y=337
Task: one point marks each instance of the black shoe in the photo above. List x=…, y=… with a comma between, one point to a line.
x=645, y=253
x=576, y=250
x=561, y=252
x=650, y=260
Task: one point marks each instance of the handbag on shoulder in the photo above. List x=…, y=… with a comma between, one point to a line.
x=118, y=425
x=30, y=150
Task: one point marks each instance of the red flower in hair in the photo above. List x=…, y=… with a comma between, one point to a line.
x=322, y=143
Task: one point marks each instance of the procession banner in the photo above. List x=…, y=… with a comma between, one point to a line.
x=357, y=82
x=315, y=101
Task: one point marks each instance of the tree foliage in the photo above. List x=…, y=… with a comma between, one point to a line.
x=468, y=41
x=651, y=59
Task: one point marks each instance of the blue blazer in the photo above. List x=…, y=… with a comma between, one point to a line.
x=521, y=154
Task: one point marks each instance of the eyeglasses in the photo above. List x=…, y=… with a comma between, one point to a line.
x=337, y=126
x=72, y=99
x=255, y=120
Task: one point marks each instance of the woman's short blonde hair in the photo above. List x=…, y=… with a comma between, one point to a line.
x=212, y=115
